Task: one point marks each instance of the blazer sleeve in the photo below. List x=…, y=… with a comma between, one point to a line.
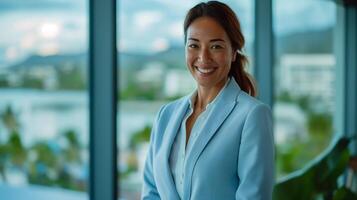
x=256, y=169
x=149, y=190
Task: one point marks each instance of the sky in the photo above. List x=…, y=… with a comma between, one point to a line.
x=49, y=27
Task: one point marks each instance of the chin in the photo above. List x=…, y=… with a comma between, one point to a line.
x=205, y=83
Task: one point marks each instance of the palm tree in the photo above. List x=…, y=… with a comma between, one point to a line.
x=12, y=152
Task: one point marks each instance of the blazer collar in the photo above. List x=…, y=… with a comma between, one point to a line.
x=222, y=108
x=167, y=184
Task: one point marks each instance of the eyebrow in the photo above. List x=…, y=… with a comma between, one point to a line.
x=213, y=40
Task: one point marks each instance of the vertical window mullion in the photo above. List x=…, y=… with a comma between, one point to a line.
x=346, y=70
x=264, y=51
x=102, y=60
x=351, y=69
x=345, y=46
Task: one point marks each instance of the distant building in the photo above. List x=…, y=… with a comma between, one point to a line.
x=151, y=75
x=178, y=83
x=47, y=73
x=308, y=75
x=289, y=123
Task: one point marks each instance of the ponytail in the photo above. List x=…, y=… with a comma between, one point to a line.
x=245, y=81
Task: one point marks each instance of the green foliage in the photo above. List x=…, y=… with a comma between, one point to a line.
x=290, y=156
x=3, y=83
x=8, y=117
x=12, y=151
x=173, y=98
x=140, y=137
x=72, y=138
x=304, y=102
x=4, y=156
x=344, y=194
x=72, y=152
x=66, y=180
x=16, y=150
x=44, y=154
x=135, y=91
x=71, y=79
x=295, y=152
x=318, y=178
x=44, y=162
x=32, y=82
x=319, y=123
x=285, y=97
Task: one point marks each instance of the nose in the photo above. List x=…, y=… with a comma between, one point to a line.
x=204, y=55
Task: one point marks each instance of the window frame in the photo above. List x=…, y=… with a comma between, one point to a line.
x=103, y=100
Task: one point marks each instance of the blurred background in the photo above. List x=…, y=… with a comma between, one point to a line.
x=44, y=94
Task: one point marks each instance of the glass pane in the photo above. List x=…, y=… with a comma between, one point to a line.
x=44, y=99
x=304, y=77
x=152, y=72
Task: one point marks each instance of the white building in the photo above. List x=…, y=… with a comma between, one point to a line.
x=152, y=74
x=308, y=75
x=178, y=83
x=289, y=122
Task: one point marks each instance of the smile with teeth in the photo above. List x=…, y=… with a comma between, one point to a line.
x=205, y=70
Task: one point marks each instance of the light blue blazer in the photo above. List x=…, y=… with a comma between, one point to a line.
x=233, y=157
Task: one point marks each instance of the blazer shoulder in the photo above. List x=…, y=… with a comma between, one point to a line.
x=170, y=107
x=163, y=117
x=250, y=103
x=168, y=110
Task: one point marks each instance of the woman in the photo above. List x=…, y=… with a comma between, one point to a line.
x=216, y=143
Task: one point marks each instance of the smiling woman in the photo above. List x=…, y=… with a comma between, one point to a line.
x=153, y=71
x=209, y=52
x=217, y=142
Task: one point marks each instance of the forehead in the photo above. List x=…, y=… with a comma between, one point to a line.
x=206, y=27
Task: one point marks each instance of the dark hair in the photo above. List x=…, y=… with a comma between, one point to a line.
x=226, y=17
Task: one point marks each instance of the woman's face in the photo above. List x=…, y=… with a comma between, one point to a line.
x=209, y=52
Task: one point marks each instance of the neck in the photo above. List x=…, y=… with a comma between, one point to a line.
x=205, y=95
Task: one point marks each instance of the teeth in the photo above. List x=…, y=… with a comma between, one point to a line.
x=205, y=70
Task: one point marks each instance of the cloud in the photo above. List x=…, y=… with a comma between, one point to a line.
x=44, y=33
x=11, y=53
x=28, y=41
x=146, y=19
x=50, y=30
x=48, y=48
x=160, y=44
x=176, y=30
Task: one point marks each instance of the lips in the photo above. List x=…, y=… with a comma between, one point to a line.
x=205, y=71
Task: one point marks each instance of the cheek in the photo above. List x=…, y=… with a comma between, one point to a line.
x=224, y=59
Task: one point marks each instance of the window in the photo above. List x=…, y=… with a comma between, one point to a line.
x=44, y=103
x=152, y=72
x=304, y=80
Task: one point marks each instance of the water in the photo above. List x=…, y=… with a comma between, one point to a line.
x=43, y=115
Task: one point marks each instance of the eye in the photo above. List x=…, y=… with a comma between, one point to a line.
x=192, y=46
x=217, y=46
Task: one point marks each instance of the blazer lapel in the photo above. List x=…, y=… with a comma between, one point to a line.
x=220, y=112
x=168, y=184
